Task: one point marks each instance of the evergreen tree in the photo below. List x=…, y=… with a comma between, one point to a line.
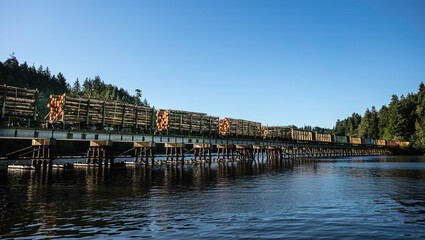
x=373, y=124
x=383, y=123
x=397, y=121
x=62, y=82
x=76, y=88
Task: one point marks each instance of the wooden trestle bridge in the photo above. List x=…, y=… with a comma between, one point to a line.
x=202, y=149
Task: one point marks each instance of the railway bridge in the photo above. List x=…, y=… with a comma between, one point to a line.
x=178, y=148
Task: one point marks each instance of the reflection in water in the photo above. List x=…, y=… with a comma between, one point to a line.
x=362, y=197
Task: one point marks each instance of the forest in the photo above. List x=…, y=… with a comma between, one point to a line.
x=402, y=120
x=21, y=75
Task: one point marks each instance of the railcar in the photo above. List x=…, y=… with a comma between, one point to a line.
x=97, y=113
x=355, y=140
x=393, y=143
x=279, y=133
x=186, y=123
x=322, y=137
x=238, y=128
x=301, y=135
x=18, y=105
x=369, y=141
x=340, y=139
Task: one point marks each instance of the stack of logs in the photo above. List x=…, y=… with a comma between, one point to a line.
x=81, y=109
x=239, y=128
x=18, y=102
x=176, y=121
x=301, y=135
x=264, y=132
x=278, y=132
x=162, y=119
x=355, y=140
x=323, y=137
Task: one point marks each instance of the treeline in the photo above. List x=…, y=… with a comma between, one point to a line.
x=402, y=120
x=98, y=89
x=313, y=129
x=21, y=75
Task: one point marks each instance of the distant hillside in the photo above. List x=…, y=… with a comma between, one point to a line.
x=21, y=75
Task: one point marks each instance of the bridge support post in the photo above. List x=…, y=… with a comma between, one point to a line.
x=274, y=154
x=224, y=152
x=297, y=154
x=203, y=151
x=42, y=152
x=144, y=152
x=174, y=150
x=100, y=152
x=285, y=155
x=290, y=152
x=258, y=153
x=244, y=152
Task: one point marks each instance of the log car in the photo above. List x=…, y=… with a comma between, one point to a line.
x=301, y=135
x=355, y=140
x=276, y=133
x=18, y=102
x=186, y=123
x=322, y=137
x=340, y=139
x=18, y=106
x=393, y=143
x=238, y=128
x=99, y=113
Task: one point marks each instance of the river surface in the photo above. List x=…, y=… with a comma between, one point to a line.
x=343, y=198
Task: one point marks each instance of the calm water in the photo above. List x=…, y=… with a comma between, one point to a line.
x=346, y=198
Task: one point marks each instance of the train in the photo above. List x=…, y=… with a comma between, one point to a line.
x=19, y=108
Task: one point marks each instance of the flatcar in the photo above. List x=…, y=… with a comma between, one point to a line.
x=322, y=137
x=279, y=133
x=238, y=128
x=100, y=113
x=18, y=105
x=301, y=135
x=187, y=123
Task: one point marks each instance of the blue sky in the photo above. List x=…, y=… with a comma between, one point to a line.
x=276, y=62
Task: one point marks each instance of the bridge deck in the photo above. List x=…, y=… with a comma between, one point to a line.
x=76, y=135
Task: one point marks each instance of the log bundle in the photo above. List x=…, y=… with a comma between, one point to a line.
x=381, y=142
x=323, y=137
x=278, y=132
x=355, y=140
x=81, y=109
x=176, y=121
x=239, y=128
x=301, y=135
x=264, y=132
x=18, y=102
